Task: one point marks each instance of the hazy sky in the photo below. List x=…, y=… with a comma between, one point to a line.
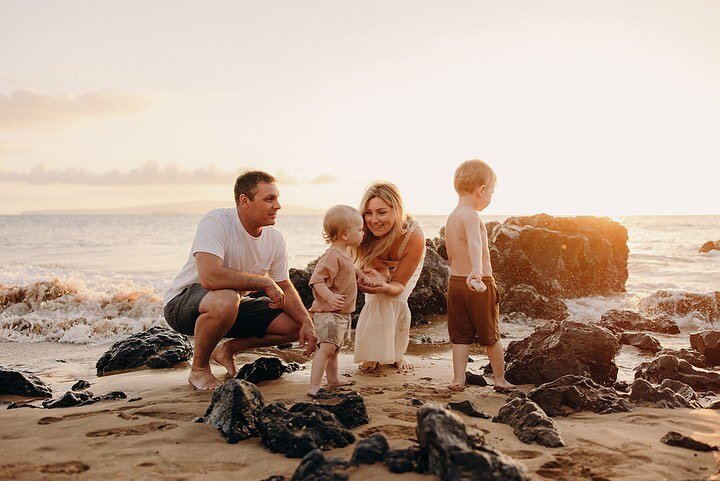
x=604, y=107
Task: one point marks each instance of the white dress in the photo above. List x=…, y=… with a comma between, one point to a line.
x=383, y=328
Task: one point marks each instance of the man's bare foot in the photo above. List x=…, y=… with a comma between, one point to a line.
x=339, y=383
x=369, y=366
x=312, y=392
x=404, y=365
x=203, y=379
x=225, y=358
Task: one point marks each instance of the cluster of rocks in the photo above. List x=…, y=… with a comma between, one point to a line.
x=530, y=423
x=619, y=321
x=709, y=246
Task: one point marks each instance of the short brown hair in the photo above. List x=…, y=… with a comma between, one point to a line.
x=472, y=174
x=248, y=181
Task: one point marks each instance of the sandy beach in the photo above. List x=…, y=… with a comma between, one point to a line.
x=155, y=437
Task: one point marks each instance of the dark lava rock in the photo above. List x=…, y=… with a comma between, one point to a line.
x=70, y=399
x=296, y=433
x=467, y=407
x=315, y=467
x=530, y=424
x=570, y=394
x=80, y=385
x=670, y=367
x=235, y=410
x=690, y=355
x=114, y=395
x=642, y=341
x=683, y=303
x=558, y=348
x=348, y=407
x=155, y=348
x=709, y=246
x=20, y=384
x=621, y=386
x=407, y=460
x=561, y=257
x=645, y=393
x=683, y=390
x=674, y=438
x=265, y=369
x=475, y=379
x=707, y=343
x=370, y=450
x=454, y=454
x=526, y=299
x=617, y=321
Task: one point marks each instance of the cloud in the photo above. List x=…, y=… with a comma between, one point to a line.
x=27, y=108
x=150, y=173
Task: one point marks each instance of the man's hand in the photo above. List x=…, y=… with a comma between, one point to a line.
x=276, y=295
x=307, y=335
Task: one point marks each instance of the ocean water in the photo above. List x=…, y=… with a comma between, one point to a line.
x=103, y=277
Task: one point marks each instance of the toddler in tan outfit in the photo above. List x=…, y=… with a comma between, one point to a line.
x=334, y=286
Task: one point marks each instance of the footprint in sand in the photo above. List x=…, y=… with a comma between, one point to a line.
x=69, y=467
x=171, y=415
x=54, y=419
x=524, y=454
x=132, y=430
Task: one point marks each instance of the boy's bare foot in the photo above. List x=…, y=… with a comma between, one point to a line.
x=503, y=386
x=203, y=379
x=369, y=366
x=456, y=386
x=404, y=365
x=312, y=392
x=225, y=358
x=339, y=383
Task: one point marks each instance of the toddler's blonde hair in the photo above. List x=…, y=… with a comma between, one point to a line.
x=472, y=174
x=336, y=220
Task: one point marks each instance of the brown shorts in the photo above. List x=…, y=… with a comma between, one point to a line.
x=473, y=315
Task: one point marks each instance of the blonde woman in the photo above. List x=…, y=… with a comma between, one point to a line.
x=391, y=254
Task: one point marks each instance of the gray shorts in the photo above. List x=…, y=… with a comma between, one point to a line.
x=253, y=317
x=331, y=327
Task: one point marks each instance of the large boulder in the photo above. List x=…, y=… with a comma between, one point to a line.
x=525, y=299
x=682, y=303
x=670, y=367
x=265, y=369
x=570, y=394
x=642, y=341
x=618, y=320
x=530, y=424
x=17, y=383
x=707, y=343
x=235, y=410
x=561, y=257
x=558, y=348
x=156, y=348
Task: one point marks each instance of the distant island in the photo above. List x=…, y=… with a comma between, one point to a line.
x=193, y=208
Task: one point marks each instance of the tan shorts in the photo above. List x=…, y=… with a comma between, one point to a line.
x=473, y=315
x=331, y=327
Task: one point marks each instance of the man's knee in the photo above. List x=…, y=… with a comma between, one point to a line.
x=222, y=304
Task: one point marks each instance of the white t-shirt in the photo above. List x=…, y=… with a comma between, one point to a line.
x=222, y=234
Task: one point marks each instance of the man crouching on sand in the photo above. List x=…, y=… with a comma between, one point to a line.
x=236, y=251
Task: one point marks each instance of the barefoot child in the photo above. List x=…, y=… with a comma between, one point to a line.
x=334, y=286
x=472, y=299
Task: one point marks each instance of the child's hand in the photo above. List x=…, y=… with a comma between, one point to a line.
x=336, y=301
x=475, y=275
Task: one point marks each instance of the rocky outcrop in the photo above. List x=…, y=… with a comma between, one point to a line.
x=265, y=369
x=690, y=355
x=348, y=407
x=557, y=348
x=642, y=392
x=642, y=341
x=571, y=393
x=561, y=257
x=674, y=438
x=235, y=410
x=454, y=454
x=530, y=424
x=17, y=383
x=617, y=321
x=670, y=367
x=707, y=343
x=682, y=303
x=709, y=246
x=155, y=348
x=296, y=433
x=370, y=450
x=527, y=300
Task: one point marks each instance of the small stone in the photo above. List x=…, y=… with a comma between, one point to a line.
x=80, y=385
x=530, y=423
x=475, y=379
x=467, y=407
x=370, y=450
x=265, y=369
x=674, y=438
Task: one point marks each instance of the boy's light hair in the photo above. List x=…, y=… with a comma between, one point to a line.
x=472, y=174
x=336, y=220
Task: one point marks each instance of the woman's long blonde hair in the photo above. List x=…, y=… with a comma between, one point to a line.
x=371, y=247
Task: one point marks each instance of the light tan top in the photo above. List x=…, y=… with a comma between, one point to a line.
x=456, y=241
x=338, y=273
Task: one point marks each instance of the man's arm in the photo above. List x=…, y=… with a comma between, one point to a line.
x=214, y=276
x=294, y=308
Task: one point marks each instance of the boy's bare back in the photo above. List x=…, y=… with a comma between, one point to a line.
x=457, y=234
